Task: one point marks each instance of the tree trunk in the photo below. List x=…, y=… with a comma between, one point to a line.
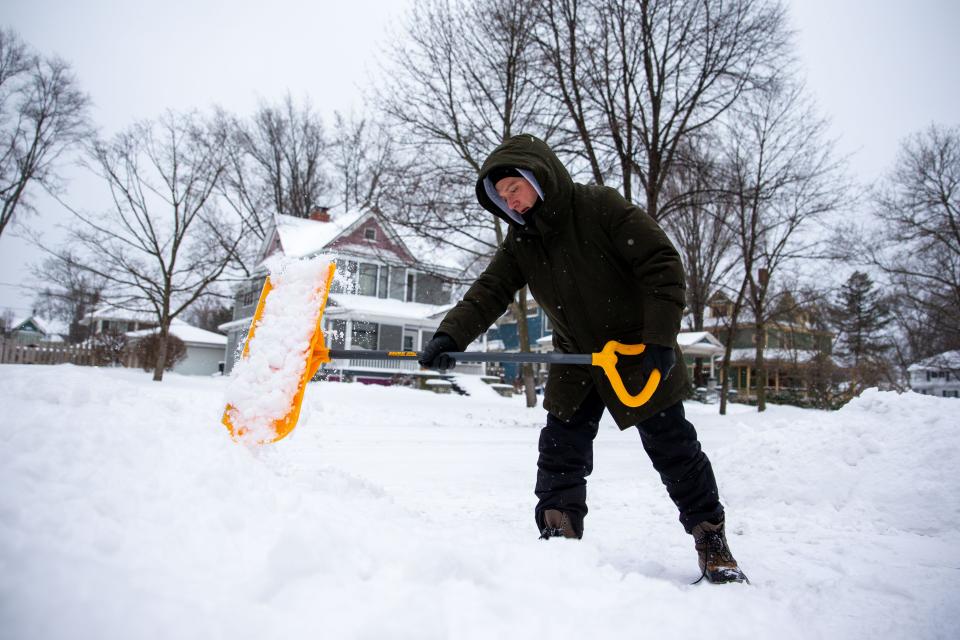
x=162, y=351
x=529, y=383
x=760, y=369
x=725, y=368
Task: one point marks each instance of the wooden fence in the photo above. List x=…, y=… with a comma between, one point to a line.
x=13, y=352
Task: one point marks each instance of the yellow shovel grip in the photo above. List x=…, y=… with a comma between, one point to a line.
x=607, y=360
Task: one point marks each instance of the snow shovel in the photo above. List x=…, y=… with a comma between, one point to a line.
x=272, y=428
x=606, y=359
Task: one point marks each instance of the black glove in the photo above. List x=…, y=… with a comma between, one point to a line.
x=434, y=354
x=657, y=356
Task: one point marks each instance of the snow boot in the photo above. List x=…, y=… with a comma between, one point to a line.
x=716, y=562
x=557, y=524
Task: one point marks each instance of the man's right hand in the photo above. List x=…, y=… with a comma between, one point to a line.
x=434, y=354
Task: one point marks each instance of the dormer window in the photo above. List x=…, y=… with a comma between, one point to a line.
x=370, y=233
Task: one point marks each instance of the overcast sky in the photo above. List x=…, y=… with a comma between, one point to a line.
x=879, y=69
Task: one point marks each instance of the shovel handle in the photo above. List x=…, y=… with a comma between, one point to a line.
x=606, y=359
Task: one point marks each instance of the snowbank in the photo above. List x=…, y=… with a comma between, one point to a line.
x=127, y=512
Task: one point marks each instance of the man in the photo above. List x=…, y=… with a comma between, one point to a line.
x=601, y=270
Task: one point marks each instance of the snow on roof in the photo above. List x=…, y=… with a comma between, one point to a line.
x=186, y=332
x=380, y=309
x=799, y=356
x=50, y=328
x=104, y=312
x=431, y=252
x=690, y=338
x=302, y=237
x=945, y=360
x=39, y=323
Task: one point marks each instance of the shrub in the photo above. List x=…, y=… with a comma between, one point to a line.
x=146, y=349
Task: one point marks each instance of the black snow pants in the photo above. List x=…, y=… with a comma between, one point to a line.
x=566, y=459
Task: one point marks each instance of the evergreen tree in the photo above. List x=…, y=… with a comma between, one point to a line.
x=860, y=315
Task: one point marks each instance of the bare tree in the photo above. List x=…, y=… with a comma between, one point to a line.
x=160, y=246
x=565, y=32
x=42, y=114
x=366, y=167
x=917, y=244
x=68, y=293
x=463, y=82
x=700, y=227
x=638, y=77
x=783, y=178
x=276, y=162
x=209, y=312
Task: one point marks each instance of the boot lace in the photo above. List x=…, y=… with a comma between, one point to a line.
x=714, y=548
x=551, y=532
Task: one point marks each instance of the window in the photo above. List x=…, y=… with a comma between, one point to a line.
x=382, y=286
x=431, y=290
x=390, y=337
x=363, y=335
x=346, y=279
x=410, y=286
x=248, y=298
x=337, y=333
x=370, y=233
x=397, y=279
x=367, y=280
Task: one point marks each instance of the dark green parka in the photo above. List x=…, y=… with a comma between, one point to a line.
x=599, y=267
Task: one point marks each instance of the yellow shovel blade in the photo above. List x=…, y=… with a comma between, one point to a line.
x=316, y=355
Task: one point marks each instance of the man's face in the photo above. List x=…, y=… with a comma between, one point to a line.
x=518, y=193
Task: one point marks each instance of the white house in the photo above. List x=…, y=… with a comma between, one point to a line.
x=382, y=298
x=33, y=331
x=204, y=348
x=106, y=319
x=938, y=375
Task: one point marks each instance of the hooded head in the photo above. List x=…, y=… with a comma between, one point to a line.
x=530, y=158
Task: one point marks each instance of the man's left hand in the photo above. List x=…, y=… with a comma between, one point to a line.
x=657, y=356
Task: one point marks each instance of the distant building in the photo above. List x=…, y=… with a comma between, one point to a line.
x=791, y=346
x=384, y=296
x=204, y=348
x=105, y=319
x=938, y=375
x=32, y=331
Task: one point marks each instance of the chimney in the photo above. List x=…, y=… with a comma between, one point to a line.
x=320, y=214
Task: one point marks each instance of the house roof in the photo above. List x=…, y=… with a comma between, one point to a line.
x=301, y=237
x=799, y=356
x=186, y=332
x=104, y=312
x=382, y=309
x=949, y=360
x=39, y=323
x=703, y=339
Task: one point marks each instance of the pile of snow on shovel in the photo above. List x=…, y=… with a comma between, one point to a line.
x=264, y=383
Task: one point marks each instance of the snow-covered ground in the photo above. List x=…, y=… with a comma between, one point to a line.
x=127, y=512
